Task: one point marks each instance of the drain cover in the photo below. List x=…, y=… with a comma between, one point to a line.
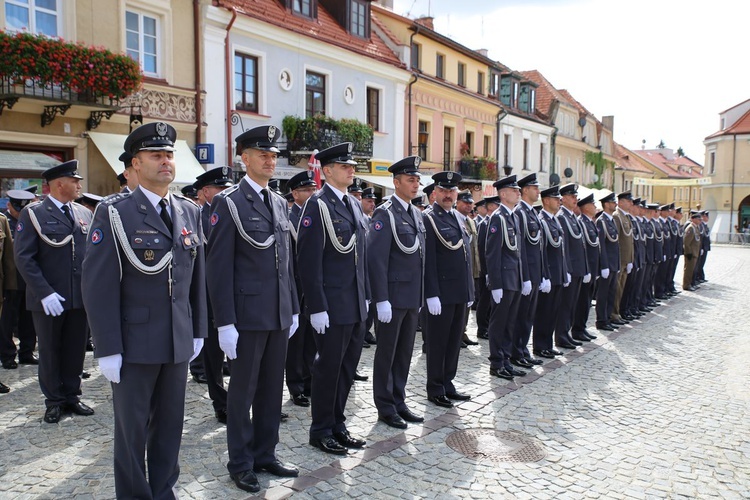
x=489, y=445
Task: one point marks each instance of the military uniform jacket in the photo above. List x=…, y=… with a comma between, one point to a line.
x=482, y=236
x=8, y=272
x=143, y=315
x=503, y=251
x=593, y=246
x=575, y=248
x=667, y=241
x=294, y=216
x=647, y=232
x=692, y=241
x=471, y=229
x=251, y=288
x=447, y=272
x=677, y=233
x=658, y=241
x=557, y=264
x=530, y=235
x=46, y=264
x=333, y=278
x=395, y=256
x=705, y=236
x=625, y=231
x=609, y=243
x=639, y=243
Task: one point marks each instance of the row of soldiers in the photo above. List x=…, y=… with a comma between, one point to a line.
x=159, y=280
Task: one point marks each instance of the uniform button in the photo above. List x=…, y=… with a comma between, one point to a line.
x=174, y=299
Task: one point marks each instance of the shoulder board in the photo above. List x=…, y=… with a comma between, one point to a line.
x=228, y=190
x=185, y=198
x=277, y=195
x=114, y=198
x=386, y=205
x=33, y=205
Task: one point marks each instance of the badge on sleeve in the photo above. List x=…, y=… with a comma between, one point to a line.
x=378, y=225
x=214, y=218
x=307, y=221
x=19, y=227
x=493, y=229
x=96, y=236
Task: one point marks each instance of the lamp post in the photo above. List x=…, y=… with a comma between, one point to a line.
x=507, y=169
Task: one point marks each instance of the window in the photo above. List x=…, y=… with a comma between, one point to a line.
x=505, y=91
x=506, y=149
x=440, y=66
x=358, y=20
x=480, y=83
x=525, y=154
x=422, y=139
x=469, y=142
x=486, y=146
x=36, y=16
x=304, y=7
x=523, y=99
x=712, y=162
x=415, y=53
x=542, y=157
x=142, y=41
x=495, y=86
x=447, y=147
x=532, y=101
x=514, y=103
x=246, y=83
x=461, y=74
x=315, y=94
x=674, y=194
x=373, y=108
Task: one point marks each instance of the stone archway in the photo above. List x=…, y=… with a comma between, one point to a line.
x=743, y=214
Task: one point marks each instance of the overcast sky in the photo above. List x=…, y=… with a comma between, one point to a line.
x=663, y=68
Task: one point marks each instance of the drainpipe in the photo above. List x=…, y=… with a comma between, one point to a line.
x=197, y=62
x=412, y=82
x=731, y=202
x=500, y=115
x=228, y=82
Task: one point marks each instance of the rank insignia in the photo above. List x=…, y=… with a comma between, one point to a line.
x=378, y=225
x=96, y=236
x=214, y=218
x=307, y=221
x=148, y=255
x=493, y=229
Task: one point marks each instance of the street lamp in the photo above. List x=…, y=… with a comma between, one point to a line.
x=507, y=169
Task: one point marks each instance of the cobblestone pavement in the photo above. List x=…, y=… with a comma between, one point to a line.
x=657, y=410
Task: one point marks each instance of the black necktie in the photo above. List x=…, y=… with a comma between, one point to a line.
x=66, y=211
x=267, y=199
x=348, y=205
x=165, y=215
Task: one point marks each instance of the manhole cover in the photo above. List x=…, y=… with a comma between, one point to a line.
x=489, y=445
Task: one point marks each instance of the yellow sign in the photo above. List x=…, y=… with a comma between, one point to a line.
x=700, y=181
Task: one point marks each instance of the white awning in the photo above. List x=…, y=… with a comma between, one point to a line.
x=111, y=147
x=26, y=160
x=386, y=181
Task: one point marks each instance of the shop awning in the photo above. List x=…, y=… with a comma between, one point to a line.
x=386, y=181
x=110, y=145
x=26, y=160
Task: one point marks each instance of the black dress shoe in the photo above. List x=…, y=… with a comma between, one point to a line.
x=300, y=400
x=283, y=416
x=575, y=342
x=466, y=340
x=483, y=335
x=221, y=415
x=555, y=352
x=409, y=416
x=463, y=345
x=534, y=361
x=441, y=400
x=200, y=378
x=522, y=363
x=53, y=414
x=501, y=372
x=329, y=445
x=10, y=364
x=365, y=345
x=591, y=336
x=370, y=338
x=89, y=346
x=617, y=322
x=28, y=360
x=347, y=440
x=515, y=373
x=580, y=337
x=79, y=409
x=545, y=353
x=605, y=327
x=458, y=396
x=246, y=481
x=4, y=389
x=360, y=378
x=565, y=345
x=394, y=420
x=225, y=369
x=277, y=469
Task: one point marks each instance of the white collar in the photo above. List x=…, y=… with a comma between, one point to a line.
x=339, y=194
x=256, y=187
x=404, y=204
x=154, y=198
x=57, y=202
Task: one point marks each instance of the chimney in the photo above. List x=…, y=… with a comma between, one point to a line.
x=483, y=52
x=388, y=4
x=609, y=122
x=426, y=21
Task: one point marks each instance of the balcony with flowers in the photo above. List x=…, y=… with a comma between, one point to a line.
x=475, y=168
x=304, y=135
x=62, y=74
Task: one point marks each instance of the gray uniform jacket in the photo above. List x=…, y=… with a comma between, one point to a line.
x=47, y=268
x=143, y=316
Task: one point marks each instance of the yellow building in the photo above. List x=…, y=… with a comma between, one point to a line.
x=675, y=179
x=43, y=124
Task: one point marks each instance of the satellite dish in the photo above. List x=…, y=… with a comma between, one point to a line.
x=554, y=179
x=582, y=121
x=568, y=172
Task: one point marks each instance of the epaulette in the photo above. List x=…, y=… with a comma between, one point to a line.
x=182, y=197
x=228, y=191
x=34, y=204
x=114, y=198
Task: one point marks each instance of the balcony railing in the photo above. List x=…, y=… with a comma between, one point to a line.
x=478, y=169
x=321, y=132
x=10, y=87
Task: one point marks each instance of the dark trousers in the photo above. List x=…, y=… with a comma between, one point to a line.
x=699, y=274
x=627, y=291
x=484, y=306
x=299, y=358
x=670, y=275
x=545, y=318
x=443, y=347
x=502, y=321
x=392, y=360
x=637, y=292
x=647, y=292
x=524, y=322
x=605, y=297
x=583, y=307
x=213, y=363
x=15, y=317
x=339, y=350
x=660, y=278
x=568, y=298
x=62, y=349
x=149, y=407
x=257, y=382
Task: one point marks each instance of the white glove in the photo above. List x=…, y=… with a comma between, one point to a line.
x=110, y=367
x=385, y=314
x=53, y=307
x=568, y=279
x=629, y=267
x=197, y=346
x=664, y=257
x=434, y=306
x=587, y=277
x=701, y=254
x=605, y=273
x=319, y=322
x=228, y=337
x=497, y=295
x=469, y=303
x=675, y=256
x=526, y=288
x=295, y=325
x=546, y=286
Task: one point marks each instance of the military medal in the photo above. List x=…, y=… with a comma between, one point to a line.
x=148, y=255
x=187, y=240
